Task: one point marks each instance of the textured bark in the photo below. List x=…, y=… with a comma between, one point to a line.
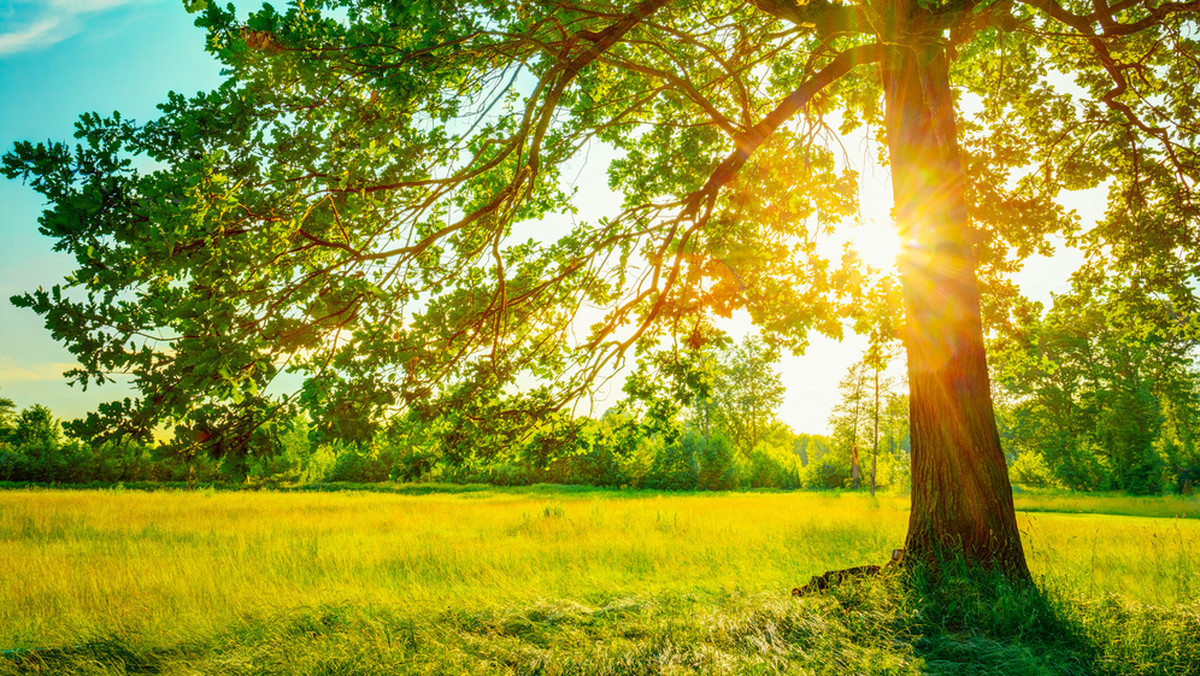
x=961, y=497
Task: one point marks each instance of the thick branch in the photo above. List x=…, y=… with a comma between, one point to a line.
x=828, y=18
x=1105, y=15
x=1099, y=43
x=749, y=141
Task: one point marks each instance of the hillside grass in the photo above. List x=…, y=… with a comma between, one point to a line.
x=568, y=581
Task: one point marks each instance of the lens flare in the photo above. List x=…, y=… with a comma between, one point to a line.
x=877, y=244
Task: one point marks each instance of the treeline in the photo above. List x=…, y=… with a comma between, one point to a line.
x=693, y=418
x=1100, y=391
x=612, y=451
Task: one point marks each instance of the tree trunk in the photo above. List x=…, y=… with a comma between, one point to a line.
x=875, y=433
x=854, y=464
x=854, y=432
x=962, y=502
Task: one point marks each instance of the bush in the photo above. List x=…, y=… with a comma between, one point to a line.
x=1030, y=469
x=717, y=471
x=771, y=466
x=675, y=467
x=358, y=466
x=1146, y=476
x=636, y=468
x=893, y=474
x=412, y=464
x=1081, y=467
x=825, y=474
x=507, y=474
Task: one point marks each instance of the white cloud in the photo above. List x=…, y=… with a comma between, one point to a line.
x=13, y=372
x=80, y=6
x=32, y=25
x=44, y=32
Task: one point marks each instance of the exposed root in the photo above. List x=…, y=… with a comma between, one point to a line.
x=820, y=583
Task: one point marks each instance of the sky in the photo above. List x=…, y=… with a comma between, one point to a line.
x=62, y=58
x=59, y=59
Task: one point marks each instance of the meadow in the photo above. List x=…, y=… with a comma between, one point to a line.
x=546, y=580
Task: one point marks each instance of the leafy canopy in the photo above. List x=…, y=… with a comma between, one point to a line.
x=380, y=196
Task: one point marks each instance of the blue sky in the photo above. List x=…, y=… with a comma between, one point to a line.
x=58, y=59
x=61, y=58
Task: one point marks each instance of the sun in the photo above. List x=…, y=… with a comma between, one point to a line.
x=876, y=243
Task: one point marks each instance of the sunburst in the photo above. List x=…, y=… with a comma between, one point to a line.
x=876, y=243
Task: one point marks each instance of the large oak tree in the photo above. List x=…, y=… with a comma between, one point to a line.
x=368, y=201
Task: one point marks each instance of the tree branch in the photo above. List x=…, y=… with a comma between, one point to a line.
x=746, y=143
x=828, y=18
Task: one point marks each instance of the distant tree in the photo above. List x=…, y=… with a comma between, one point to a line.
x=36, y=427
x=8, y=418
x=670, y=383
x=746, y=393
x=676, y=465
x=894, y=436
x=714, y=386
x=1102, y=386
x=871, y=413
x=717, y=463
x=851, y=415
x=878, y=359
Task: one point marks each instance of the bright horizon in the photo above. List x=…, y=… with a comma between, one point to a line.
x=63, y=58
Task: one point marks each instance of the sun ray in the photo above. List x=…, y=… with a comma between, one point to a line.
x=876, y=243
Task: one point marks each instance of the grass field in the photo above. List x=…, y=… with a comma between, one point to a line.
x=472, y=582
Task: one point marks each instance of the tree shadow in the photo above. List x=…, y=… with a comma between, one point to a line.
x=967, y=620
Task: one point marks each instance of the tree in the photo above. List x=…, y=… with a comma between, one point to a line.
x=746, y=393
x=8, y=417
x=877, y=359
x=895, y=441
x=1100, y=386
x=357, y=201
x=37, y=428
x=851, y=414
x=714, y=386
x=869, y=409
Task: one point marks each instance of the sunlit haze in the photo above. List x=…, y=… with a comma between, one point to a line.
x=877, y=243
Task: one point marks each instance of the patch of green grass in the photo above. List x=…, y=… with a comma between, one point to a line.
x=79, y=563
x=1055, y=500
x=962, y=625
x=544, y=581
x=669, y=633
x=1150, y=560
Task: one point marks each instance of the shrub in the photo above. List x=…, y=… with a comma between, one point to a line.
x=717, y=470
x=772, y=466
x=358, y=466
x=675, y=467
x=1030, y=469
x=825, y=473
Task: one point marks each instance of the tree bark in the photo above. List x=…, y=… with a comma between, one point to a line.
x=962, y=504
x=854, y=464
x=875, y=433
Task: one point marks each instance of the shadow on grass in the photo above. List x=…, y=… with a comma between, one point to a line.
x=972, y=623
x=978, y=622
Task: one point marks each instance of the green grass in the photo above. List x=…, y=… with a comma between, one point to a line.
x=1067, y=502
x=546, y=581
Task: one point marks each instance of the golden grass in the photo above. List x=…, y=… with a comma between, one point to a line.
x=166, y=565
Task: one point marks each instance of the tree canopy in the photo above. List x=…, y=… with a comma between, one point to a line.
x=1102, y=389
x=369, y=198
